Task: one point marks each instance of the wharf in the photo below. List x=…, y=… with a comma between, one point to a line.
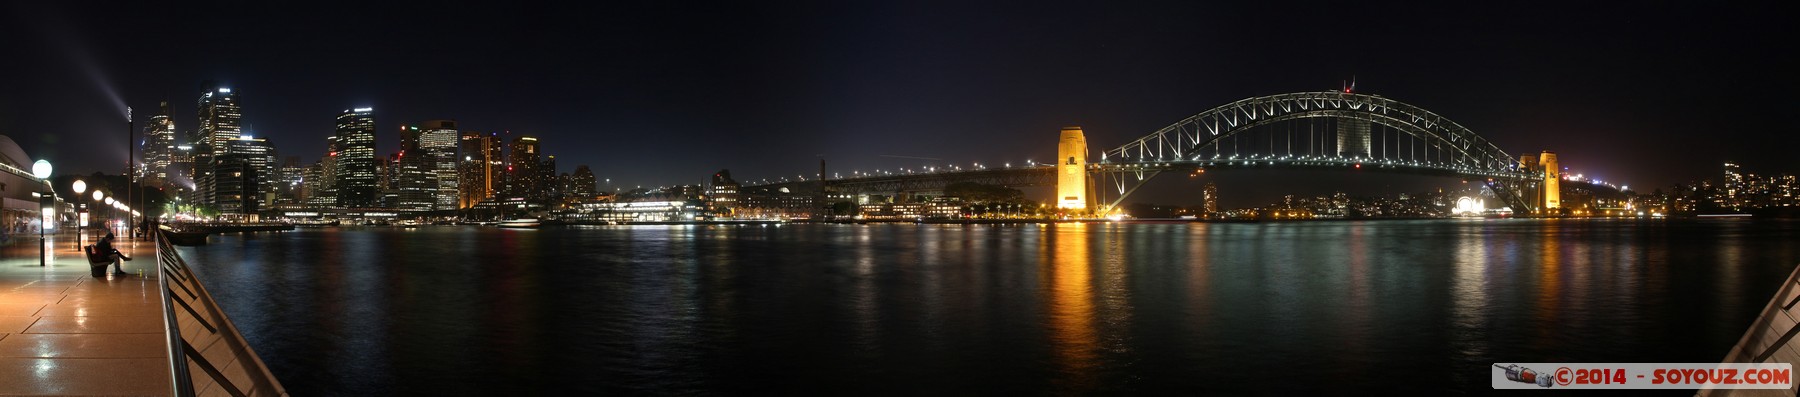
x=65, y=332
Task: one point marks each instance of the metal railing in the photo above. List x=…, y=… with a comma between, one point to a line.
x=202, y=339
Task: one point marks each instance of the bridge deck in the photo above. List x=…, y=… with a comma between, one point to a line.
x=64, y=332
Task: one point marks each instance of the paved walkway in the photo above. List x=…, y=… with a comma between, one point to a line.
x=64, y=332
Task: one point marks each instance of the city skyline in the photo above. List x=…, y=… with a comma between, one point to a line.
x=775, y=97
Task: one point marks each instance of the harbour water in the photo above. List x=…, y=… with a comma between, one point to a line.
x=1332, y=307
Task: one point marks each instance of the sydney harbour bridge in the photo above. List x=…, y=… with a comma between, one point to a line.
x=1306, y=130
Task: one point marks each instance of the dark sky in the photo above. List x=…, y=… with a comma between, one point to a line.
x=667, y=92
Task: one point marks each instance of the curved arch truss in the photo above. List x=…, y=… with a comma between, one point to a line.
x=1310, y=129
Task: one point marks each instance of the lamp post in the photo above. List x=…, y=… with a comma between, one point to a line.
x=46, y=202
x=130, y=157
x=81, y=211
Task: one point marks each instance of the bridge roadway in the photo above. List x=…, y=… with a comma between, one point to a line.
x=1045, y=175
x=64, y=332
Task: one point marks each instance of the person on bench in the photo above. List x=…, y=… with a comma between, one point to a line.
x=105, y=249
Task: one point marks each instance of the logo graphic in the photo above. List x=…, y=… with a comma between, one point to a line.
x=1572, y=376
x=1520, y=374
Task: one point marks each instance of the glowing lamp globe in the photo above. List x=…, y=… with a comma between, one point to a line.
x=40, y=169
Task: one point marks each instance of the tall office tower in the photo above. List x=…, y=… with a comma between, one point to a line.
x=496, y=166
x=480, y=168
x=565, y=187
x=233, y=181
x=268, y=162
x=584, y=183
x=387, y=183
x=288, y=187
x=354, y=184
x=1211, y=205
x=437, y=144
x=321, y=189
x=159, y=148
x=310, y=186
x=181, y=168
x=523, y=164
x=413, y=178
x=237, y=175
x=258, y=153
x=548, y=187
x=1353, y=138
x=1734, y=185
x=221, y=118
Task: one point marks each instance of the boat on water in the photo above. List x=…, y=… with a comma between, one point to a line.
x=520, y=223
x=407, y=223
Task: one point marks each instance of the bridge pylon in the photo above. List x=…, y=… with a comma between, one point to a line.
x=1071, y=170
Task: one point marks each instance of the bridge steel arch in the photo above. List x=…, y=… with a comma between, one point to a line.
x=1121, y=170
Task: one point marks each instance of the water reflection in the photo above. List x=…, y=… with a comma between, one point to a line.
x=1074, y=340
x=1227, y=309
x=1549, y=282
x=1469, y=298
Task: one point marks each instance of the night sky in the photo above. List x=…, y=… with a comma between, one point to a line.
x=666, y=93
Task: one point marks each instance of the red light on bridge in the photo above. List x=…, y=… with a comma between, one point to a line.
x=1359, y=166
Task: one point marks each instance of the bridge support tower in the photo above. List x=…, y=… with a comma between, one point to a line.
x=1552, y=179
x=1071, y=170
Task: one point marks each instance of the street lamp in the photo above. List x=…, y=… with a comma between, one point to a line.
x=81, y=221
x=46, y=202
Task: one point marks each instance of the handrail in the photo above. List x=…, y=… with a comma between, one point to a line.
x=199, y=308
x=178, y=366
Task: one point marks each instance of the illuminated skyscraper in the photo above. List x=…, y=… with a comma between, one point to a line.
x=522, y=166
x=585, y=185
x=481, y=168
x=321, y=188
x=548, y=187
x=414, y=179
x=1734, y=186
x=221, y=118
x=159, y=148
x=239, y=171
x=355, y=151
x=437, y=144
x=181, y=168
x=1211, y=205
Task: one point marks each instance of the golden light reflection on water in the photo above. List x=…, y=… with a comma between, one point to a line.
x=1549, y=280
x=1073, y=338
x=1469, y=293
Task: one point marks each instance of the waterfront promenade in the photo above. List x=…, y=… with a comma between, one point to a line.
x=64, y=332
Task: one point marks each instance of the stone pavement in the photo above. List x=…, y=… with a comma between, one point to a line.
x=65, y=332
